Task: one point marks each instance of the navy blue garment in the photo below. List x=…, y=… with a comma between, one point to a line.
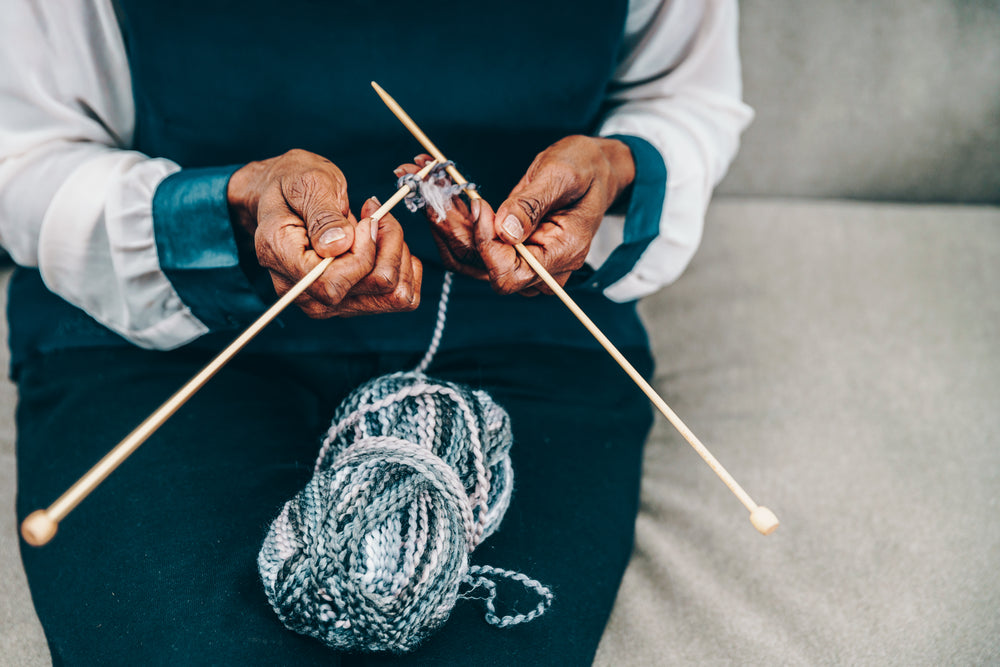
x=158, y=566
x=218, y=84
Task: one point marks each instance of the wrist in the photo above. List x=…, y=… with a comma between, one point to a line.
x=621, y=165
x=243, y=195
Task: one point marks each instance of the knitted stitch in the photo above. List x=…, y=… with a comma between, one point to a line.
x=435, y=190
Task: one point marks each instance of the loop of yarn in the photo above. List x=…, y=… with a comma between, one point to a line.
x=413, y=474
x=479, y=575
x=434, y=190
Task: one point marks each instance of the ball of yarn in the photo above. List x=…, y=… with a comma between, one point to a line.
x=371, y=555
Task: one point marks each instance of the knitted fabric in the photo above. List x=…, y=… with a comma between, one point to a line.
x=434, y=191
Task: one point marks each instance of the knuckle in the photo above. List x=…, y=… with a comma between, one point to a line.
x=507, y=282
x=313, y=309
x=265, y=253
x=297, y=187
x=405, y=298
x=335, y=292
x=531, y=205
x=469, y=256
x=296, y=154
x=384, y=279
x=563, y=175
x=322, y=219
x=332, y=291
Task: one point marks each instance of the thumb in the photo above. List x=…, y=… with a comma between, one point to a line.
x=320, y=200
x=331, y=232
x=525, y=208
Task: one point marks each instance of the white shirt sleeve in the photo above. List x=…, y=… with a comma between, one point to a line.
x=677, y=86
x=74, y=201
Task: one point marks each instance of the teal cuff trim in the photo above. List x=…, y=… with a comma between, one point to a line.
x=645, y=208
x=197, y=250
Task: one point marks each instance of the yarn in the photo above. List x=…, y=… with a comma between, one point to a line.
x=435, y=190
x=413, y=473
x=372, y=555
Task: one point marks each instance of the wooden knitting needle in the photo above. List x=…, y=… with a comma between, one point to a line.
x=40, y=526
x=763, y=519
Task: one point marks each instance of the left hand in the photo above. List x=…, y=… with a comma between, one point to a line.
x=555, y=211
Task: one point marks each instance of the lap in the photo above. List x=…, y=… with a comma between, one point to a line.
x=159, y=565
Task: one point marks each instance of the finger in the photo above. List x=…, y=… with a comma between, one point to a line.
x=369, y=207
x=407, y=292
x=560, y=243
x=282, y=246
x=319, y=197
x=546, y=186
x=406, y=168
x=422, y=160
x=543, y=287
x=309, y=305
x=389, y=249
x=417, y=282
x=508, y=273
x=455, y=230
x=469, y=263
x=405, y=298
x=348, y=269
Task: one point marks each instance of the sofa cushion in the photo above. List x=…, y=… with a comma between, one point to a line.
x=871, y=100
x=842, y=361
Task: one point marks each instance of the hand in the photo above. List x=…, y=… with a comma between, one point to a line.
x=454, y=235
x=555, y=210
x=292, y=211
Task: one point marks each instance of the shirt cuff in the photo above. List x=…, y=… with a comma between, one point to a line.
x=642, y=220
x=197, y=250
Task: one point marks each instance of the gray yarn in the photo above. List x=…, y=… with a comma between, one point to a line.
x=373, y=554
x=434, y=190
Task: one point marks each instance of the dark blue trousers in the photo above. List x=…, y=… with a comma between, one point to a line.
x=158, y=566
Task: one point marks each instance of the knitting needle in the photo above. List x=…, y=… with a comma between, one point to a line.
x=763, y=519
x=40, y=526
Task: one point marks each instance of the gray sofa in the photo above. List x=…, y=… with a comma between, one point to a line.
x=835, y=343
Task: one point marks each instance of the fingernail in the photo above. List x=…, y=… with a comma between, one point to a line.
x=398, y=172
x=475, y=209
x=332, y=235
x=375, y=199
x=513, y=227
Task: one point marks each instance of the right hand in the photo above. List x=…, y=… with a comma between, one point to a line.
x=455, y=234
x=292, y=211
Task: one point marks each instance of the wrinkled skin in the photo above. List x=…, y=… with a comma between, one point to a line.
x=555, y=210
x=292, y=211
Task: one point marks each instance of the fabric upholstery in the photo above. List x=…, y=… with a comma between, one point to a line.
x=871, y=100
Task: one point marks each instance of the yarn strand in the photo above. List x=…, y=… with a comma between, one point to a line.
x=442, y=315
x=483, y=579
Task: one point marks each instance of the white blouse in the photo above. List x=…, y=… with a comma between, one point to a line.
x=76, y=202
